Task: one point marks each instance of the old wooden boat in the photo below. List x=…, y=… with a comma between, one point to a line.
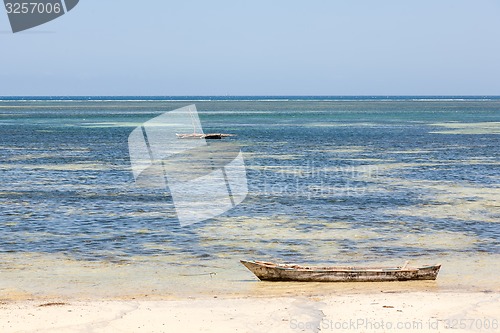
x=268, y=271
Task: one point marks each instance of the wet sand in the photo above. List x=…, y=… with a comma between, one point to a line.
x=46, y=277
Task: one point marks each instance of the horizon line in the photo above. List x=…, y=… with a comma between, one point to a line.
x=229, y=96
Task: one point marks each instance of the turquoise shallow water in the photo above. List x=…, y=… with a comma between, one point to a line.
x=331, y=180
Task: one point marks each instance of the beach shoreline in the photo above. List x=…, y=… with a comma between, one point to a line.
x=386, y=310
x=38, y=276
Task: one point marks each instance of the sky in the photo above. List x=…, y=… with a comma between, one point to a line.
x=273, y=47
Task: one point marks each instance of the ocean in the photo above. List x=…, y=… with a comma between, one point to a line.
x=331, y=180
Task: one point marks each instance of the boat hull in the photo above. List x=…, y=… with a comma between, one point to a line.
x=210, y=136
x=274, y=272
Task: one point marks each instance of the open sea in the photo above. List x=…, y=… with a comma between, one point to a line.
x=331, y=180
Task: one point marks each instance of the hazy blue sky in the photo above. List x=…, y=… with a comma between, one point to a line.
x=273, y=47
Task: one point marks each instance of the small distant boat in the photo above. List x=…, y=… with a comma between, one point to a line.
x=195, y=135
x=213, y=136
x=267, y=271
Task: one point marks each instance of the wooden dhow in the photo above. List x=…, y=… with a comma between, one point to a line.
x=267, y=271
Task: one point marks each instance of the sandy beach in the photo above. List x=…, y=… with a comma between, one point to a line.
x=383, y=311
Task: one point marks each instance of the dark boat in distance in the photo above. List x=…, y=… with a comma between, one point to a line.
x=197, y=130
x=267, y=271
x=213, y=136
